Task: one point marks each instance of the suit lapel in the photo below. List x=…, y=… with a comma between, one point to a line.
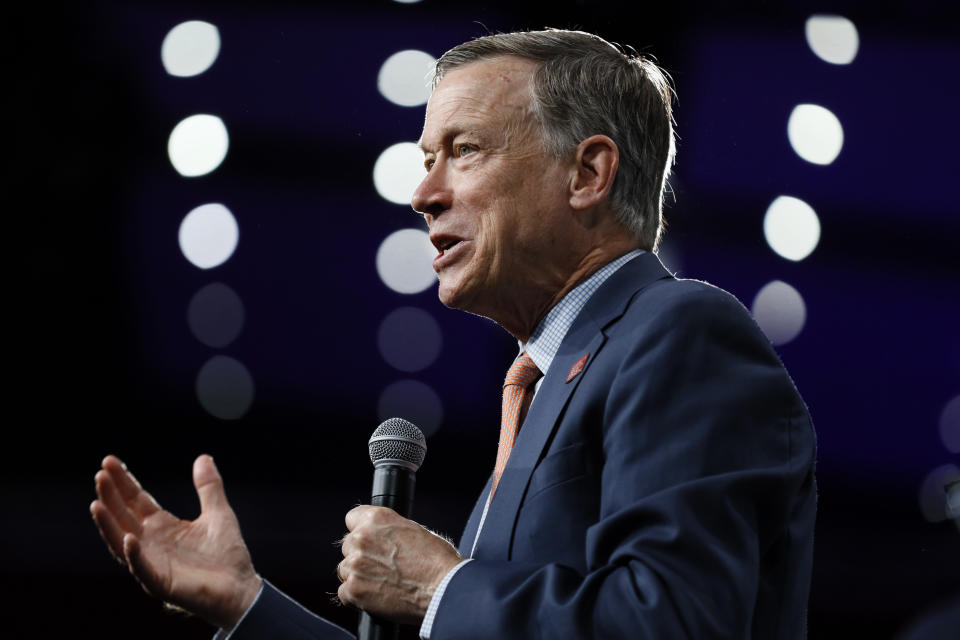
x=473, y=523
x=497, y=536
x=585, y=337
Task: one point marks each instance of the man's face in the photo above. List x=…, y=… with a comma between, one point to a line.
x=495, y=200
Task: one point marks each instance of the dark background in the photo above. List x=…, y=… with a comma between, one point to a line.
x=103, y=360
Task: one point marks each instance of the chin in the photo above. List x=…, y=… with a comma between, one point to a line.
x=448, y=295
x=455, y=296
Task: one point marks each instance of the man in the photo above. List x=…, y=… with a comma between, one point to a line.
x=662, y=483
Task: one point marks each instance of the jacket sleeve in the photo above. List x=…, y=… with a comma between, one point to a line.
x=705, y=514
x=274, y=616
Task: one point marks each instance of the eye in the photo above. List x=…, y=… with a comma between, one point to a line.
x=464, y=149
x=428, y=163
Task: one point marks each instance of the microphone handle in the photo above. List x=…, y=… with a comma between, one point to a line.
x=393, y=487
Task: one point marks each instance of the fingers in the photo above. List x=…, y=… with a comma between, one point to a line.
x=110, y=531
x=359, y=514
x=355, y=518
x=137, y=500
x=209, y=484
x=368, y=523
x=110, y=498
x=358, y=538
x=352, y=519
x=350, y=584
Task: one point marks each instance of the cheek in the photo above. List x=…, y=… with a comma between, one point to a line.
x=496, y=239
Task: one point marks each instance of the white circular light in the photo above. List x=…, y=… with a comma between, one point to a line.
x=398, y=171
x=215, y=315
x=409, y=339
x=405, y=261
x=190, y=48
x=209, y=235
x=404, y=77
x=933, y=492
x=780, y=312
x=413, y=401
x=791, y=228
x=833, y=38
x=198, y=144
x=407, y=1
x=815, y=133
x=950, y=425
x=225, y=388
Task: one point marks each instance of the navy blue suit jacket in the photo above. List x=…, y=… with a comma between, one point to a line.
x=664, y=491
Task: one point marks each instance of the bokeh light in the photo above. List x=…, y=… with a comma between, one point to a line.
x=404, y=77
x=225, y=388
x=190, y=48
x=833, y=39
x=791, y=228
x=933, y=492
x=953, y=501
x=414, y=401
x=209, y=235
x=198, y=144
x=409, y=339
x=398, y=171
x=405, y=261
x=215, y=315
x=950, y=425
x=815, y=133
x=780, y=311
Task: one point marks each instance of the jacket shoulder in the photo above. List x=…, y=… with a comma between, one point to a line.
x=675, y=305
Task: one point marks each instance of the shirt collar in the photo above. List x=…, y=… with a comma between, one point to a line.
x=545, y=341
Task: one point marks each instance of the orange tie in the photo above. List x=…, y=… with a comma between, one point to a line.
x=517, y=395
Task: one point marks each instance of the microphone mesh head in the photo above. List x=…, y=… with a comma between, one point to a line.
x=399, y=442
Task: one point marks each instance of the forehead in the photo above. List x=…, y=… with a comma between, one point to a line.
x=487, y=95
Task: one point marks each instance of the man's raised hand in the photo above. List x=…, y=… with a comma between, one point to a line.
x=202, y=565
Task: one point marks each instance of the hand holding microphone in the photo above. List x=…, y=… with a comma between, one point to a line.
x=392, y=565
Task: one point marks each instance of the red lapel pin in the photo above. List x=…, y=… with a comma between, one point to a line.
x=577, y=367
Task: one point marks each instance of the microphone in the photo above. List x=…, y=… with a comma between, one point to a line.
x=397, y=449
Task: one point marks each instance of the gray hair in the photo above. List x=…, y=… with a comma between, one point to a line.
x=586, y=86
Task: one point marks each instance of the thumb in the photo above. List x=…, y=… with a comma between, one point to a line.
x=209, y=485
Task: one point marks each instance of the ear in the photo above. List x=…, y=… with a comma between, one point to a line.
x=595, y=166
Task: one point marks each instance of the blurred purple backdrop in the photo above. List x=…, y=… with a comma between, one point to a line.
x=104, y=359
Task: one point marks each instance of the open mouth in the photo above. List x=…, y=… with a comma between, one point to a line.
x=447, y=244
x=444, y=243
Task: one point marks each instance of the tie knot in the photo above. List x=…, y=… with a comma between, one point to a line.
x=523, y=372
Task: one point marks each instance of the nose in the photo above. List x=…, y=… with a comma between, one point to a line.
x=434, y=194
